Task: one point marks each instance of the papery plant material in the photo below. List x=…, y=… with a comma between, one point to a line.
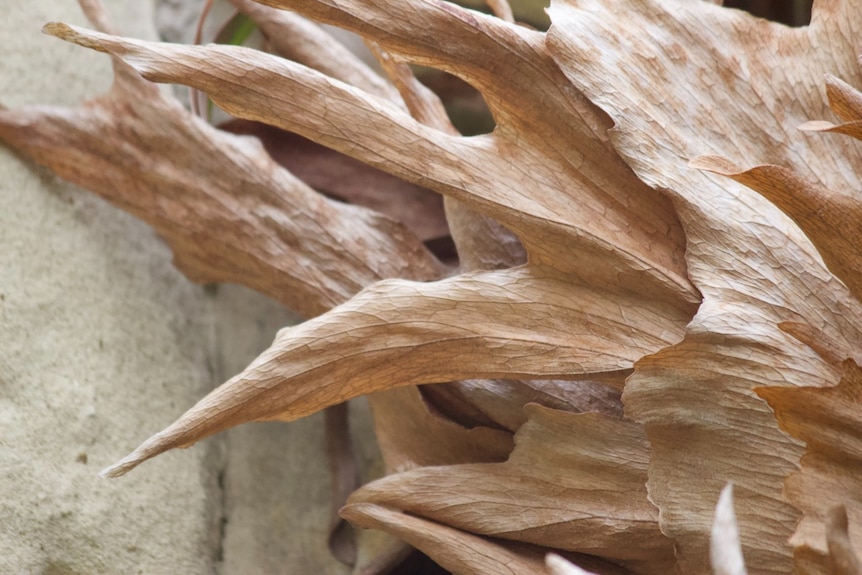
x=227, y=210
x=725, y=553
x=403, y=423
x=467, y=553
x=754, y=268
x=559, y=566
x=400, y=333
x=830, y=423
x=581, y=474
x=343, y=178
x=660, y=309
x=625, y=242
x=842, y=554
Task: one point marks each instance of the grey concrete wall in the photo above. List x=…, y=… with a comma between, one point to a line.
x=102, y=343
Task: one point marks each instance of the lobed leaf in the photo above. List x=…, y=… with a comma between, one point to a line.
x=227, y=210
x=663, y=72
x=827, y=419
x=574, y=482
x=617, y=245
x=399, y=333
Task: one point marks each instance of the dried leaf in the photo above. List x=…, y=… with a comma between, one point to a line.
x=831, y=220
x=725, y=553
x=227, y=210
x=666, y=78
x=829, y=421
x=499, y=403
x=403, y=424
x=555, y=230
x=844, y=99
x=296, y=38
x=466, y=554
x=569, y=473
x=399, y=333
x=349, y=180
x=844, y=559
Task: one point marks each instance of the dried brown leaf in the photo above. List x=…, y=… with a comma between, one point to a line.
x=227, y=210
x=403, y=425
x=296, y=38
x=399, y=333
x=341, y=177
x=831, y=220
x=604, y=239
x=844, y=99
x=663, y=72
x=829, y=421
x=843, y=557
x=580, y=474
x=466, y=554
x=499, y=403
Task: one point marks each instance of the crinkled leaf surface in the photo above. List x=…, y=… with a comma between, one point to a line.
x=830, y=422
x=399, y=333
x=227, y=210
x=466, y=554
x=605, y=284
x=573, y=482
x=665, y=74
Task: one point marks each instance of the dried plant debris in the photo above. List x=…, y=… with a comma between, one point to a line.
x=658, y=291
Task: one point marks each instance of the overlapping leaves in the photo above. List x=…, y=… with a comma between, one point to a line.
x=615, y=269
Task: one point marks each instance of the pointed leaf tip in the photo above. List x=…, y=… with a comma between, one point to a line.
x=725, y=551
x=559, y=566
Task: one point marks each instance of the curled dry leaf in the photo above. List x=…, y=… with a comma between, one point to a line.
x=842, y=553
x=398, y=333
x=725, y=553
x=569, y=473
x=403, y=424
x=754, y=268
x=466, y=553
x=228, y=211
x=832, y=221
x=605, y=219
x=828, y=420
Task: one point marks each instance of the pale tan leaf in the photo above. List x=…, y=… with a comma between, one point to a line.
x=828, y=419
x=403, y=425
x=500, y=402
x=663, y=72
x=844, y=99
x=573, y=482
x=831, y=220
x=459, y=552
x=853, y=129
x=227, y=210
x=724, y=551
x=298, y=39
x=603, y=237
x=398, y=333
x=843, y=556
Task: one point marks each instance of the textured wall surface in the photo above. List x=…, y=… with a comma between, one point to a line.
x=102, y=342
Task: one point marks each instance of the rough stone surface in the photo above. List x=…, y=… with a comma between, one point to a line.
x=102, y=342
